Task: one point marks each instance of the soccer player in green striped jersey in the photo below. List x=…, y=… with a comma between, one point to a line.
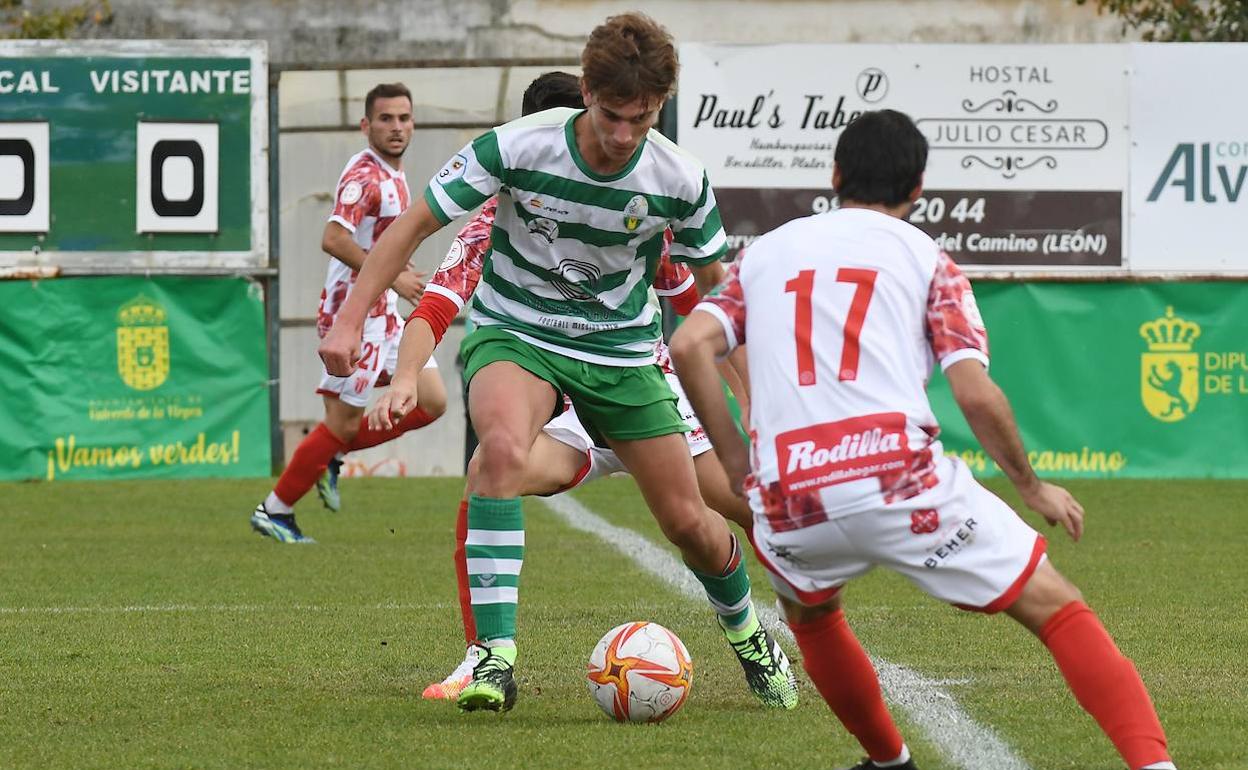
x=564, y=307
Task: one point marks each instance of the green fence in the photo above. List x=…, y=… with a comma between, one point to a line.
x=1139, y=380
x=125, y=377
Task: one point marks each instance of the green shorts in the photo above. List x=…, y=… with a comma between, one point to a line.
x=619, y=402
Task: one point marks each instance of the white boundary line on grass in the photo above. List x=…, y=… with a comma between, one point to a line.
x=959, y=738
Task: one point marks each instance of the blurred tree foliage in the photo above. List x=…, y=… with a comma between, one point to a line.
x=1188, y=21
x=18, y=21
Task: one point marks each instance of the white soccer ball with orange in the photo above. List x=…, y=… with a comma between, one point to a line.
x=640, y=672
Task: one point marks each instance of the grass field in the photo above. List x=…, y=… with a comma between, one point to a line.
x=142, y=625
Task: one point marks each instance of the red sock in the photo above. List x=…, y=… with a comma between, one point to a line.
x=307, y=464
x=1105, y=683
x=417, y=418
x=844, y=676
x=461, y=573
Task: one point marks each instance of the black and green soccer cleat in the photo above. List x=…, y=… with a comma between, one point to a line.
x=767, y=669
x=493, y=685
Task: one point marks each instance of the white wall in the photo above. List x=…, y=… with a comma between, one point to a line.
x=332, y=31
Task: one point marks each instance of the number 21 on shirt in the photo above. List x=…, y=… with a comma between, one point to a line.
x=803, y=286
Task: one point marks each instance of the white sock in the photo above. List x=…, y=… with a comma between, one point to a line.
x=274, y=504
x=1160, y=766
x=901, y=759
x=501, y=643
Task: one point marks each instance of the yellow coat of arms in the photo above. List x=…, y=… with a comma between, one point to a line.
x=1170, y=371
x=142, y=344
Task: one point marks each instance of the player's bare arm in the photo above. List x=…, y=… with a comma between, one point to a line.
x=991, y=419
x=341, y=347
x=708, y=276
x=695, y=348
x=338, y=243
x=415, y=348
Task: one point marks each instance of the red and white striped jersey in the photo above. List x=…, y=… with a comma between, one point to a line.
x=847, y=313
x=369, y=196
x=457, y=277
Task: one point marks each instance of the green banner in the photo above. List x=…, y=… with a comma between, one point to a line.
x=120, y=377
x=1123, y=380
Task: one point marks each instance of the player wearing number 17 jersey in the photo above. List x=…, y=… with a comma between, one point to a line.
x=853, y=309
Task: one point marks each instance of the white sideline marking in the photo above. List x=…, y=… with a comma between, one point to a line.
x=188, y=608
x=959, y=738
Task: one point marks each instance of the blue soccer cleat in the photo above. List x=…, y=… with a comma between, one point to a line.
x=280, y=527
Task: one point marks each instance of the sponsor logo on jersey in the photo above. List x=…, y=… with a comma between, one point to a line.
x=538, y=204
x=1170, y=370
x=351, y=193
x=453, y=169
x=573, y=275
x=635, y=212
x=955, y=543
x=142, y=344
x=545, y=228
x=846, y=450
x=924, y=521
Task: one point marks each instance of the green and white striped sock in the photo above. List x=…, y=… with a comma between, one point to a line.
x=495, y=552
x=729, y=594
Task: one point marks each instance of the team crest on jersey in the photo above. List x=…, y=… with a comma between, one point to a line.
x=635, y=212
x=454, y=255
x=573, y=275
x=454, y=168
x=546, y=228
x=351, y=193
x=142, y=344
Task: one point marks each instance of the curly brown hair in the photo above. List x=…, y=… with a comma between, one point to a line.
x=629, y=57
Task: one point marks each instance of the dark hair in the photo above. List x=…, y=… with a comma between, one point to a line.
x=553, y=89
x=881, y=156
x=384, y=91
x=630, y=57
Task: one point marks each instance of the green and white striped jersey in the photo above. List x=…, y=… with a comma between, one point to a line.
x=573, y=253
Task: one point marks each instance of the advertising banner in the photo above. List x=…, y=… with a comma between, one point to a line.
x=1029, y=153
x=133, y=153
x=1189, y=157
x=1116, y=379
x=121, y=378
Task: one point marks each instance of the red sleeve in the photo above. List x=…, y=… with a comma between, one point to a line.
x=674, y=280
x=727, y=303
x=460, y=271
x=686, y=301
x=955, y=328
x=358, y=196
x=438, y=311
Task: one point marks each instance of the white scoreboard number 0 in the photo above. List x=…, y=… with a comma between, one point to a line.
x=176, y=177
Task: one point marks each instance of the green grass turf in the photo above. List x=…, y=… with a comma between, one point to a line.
x=143, y=626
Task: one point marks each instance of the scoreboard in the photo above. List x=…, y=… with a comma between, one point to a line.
x=118, y=156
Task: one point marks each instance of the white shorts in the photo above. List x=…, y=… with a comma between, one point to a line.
x=379, y=357
x=957, y=542
x=567, y=429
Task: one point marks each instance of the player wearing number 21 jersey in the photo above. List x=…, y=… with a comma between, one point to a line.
x=844, y=315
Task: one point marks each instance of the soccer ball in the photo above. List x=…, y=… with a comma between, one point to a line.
x=640, y=672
